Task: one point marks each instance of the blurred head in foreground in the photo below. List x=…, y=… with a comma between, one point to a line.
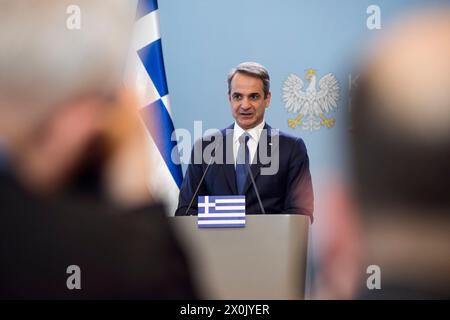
x=401, y=155
x=61, y=87
x=61, y=107
x=401, y=162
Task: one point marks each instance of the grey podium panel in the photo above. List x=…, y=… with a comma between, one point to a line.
x=264, y=260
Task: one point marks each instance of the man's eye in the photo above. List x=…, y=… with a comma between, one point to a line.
x=254, y=96
x=237, y=97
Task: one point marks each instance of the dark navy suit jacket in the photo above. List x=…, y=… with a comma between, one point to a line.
x=288, y=191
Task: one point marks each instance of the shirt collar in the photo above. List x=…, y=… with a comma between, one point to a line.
x=254, y=132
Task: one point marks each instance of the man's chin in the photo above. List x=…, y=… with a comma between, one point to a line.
x=246, y=124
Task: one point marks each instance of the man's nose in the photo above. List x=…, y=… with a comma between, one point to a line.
x=245, y=103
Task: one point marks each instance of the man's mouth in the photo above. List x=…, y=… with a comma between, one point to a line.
x=246, y=114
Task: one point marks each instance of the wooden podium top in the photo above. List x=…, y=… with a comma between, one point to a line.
x=264, y=260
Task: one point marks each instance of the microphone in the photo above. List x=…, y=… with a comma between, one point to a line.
x=201, y=180
x=256, y=188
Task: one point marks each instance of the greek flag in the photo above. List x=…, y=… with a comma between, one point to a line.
x=146, y=73
x=221, y=211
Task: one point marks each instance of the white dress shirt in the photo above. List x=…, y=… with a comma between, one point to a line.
x=252, y=144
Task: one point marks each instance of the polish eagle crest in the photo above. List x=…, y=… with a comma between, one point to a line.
x=311, y=105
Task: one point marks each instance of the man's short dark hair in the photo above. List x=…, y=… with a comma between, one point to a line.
x=252, y=69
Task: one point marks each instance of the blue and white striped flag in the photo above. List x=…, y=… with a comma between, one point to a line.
x=221, y=211
x=146, y=73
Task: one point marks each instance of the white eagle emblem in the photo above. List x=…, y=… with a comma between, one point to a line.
x=311, y=105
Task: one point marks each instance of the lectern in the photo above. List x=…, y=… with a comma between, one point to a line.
x=264, y=260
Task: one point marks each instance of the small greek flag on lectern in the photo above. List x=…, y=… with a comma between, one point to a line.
x=221, y=211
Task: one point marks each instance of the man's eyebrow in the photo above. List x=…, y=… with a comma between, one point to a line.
x=248, y=95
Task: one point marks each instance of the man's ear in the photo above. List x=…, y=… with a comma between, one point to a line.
x=72, y=129
x=267, y=99
x=80, y=119
x=57, y=149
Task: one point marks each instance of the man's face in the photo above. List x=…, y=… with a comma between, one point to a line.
x=247, y=100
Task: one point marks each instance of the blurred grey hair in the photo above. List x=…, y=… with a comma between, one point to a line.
x=253, y=69
x=43, y=62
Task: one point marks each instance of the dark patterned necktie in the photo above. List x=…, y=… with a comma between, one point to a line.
x=242, y=160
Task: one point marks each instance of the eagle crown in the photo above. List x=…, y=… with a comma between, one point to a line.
x=310, y=76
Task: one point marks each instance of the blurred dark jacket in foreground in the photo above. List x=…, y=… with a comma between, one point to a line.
x=131, y=255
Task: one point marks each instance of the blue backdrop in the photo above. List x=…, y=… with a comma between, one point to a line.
x=204, y=39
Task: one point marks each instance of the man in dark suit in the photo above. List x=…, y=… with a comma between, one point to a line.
x=250, y=150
